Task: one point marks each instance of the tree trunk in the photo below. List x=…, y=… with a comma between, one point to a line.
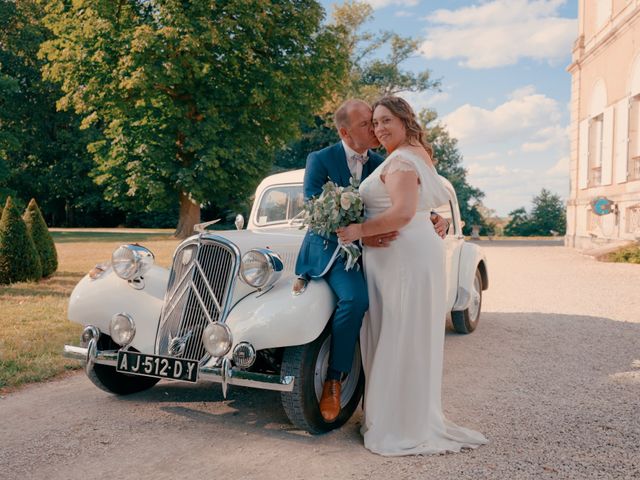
x=189, y=216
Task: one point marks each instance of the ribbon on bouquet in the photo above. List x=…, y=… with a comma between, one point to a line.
x=351, y=250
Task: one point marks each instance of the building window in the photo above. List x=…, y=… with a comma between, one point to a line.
x=633, y=168
x=633, y=219
x=603, y=12
x=595, y=150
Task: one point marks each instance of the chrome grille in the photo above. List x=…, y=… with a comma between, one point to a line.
x=199, y=292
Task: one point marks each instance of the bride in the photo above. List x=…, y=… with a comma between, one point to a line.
x=402, y=337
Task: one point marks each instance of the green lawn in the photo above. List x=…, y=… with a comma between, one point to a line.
x=34, y=325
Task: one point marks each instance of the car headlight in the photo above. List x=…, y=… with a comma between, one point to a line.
x=122, y=329
x=217, y=339
x=131, y=261
x=261, y=268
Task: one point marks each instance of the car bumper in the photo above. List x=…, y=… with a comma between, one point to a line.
x=225, y=374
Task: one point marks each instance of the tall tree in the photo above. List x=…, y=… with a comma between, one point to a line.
x=449, y=165
x=519, y=223
x=370, y=75
x=42, y=153
x=192, y=98
x=547, y=216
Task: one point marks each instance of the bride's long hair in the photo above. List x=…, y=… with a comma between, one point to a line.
x=399, y=107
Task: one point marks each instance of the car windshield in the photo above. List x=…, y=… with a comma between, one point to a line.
x=280, y=204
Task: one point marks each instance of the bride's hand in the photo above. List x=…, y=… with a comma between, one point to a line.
x=351, y=233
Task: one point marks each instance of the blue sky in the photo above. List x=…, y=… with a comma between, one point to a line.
x=505, y=90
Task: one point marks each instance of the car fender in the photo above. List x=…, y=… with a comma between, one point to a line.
x=277, y=318
x=471, y=259
x=94, y=302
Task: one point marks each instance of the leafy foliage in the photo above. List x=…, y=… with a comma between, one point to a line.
x=449, y=164
x=519, y=225
x=368, y=77
x=547, y=216
x=626, y=255
x=42, y=152
x=41, y=237
x=19, y=260
x=191, y=98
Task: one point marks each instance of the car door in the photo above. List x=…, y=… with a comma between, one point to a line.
x=453, y=246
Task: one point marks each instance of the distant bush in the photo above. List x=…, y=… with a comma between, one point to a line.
x=19, y=260
x=627, y=255
x=41, y=237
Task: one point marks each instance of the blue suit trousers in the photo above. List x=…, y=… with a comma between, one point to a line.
x=353, y=301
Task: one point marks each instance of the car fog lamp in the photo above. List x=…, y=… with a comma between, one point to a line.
x=216, y=339
x=122, y=329
x=261, y=268
x=131, y=261
x=89, y=332
x=244, y=355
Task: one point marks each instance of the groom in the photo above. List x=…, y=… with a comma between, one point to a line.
x=349, y=158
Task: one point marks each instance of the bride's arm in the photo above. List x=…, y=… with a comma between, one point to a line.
x=402, y=186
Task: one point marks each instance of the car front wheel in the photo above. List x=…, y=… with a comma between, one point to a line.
x=308, y=364
x=466, y=321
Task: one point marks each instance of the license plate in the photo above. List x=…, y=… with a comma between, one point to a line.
x=157, y=367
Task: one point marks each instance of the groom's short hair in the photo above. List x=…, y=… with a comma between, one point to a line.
x=341, y=116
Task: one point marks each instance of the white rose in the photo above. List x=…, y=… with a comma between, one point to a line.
x=345, y=201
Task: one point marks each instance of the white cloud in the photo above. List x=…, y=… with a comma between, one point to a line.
x=514, y=150
x=546, y=139
x=507, y=188
x=524, y=116
x=499, y=33
x=385, y=3
x=427, y=99
x=560, y=169
x=403, y=13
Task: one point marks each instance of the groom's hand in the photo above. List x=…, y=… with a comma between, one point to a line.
x=440, y=224
x=382, y=240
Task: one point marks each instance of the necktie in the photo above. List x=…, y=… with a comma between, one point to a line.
x=359, y=160
x=362, y=159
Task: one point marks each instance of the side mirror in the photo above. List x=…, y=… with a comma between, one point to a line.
x=239, y=222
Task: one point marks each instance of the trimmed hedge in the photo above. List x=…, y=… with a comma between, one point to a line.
x=19, y=260
x=41, y=237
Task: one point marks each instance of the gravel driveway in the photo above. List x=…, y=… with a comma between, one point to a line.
x=551, y=376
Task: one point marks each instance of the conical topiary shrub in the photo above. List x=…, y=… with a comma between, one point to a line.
x=41, y=237
x=19, y=260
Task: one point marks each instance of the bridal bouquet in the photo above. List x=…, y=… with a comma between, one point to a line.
x=335, y=207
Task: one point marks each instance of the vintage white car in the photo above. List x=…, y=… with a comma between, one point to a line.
x=225, y=311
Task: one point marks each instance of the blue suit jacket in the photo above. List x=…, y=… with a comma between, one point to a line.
x=327, y=164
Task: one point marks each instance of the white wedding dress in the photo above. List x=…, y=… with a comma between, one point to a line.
x=402, y=336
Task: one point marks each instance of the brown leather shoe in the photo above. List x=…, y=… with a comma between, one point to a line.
x=330, y=401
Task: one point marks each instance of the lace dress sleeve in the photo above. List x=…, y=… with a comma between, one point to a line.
x=398, y=164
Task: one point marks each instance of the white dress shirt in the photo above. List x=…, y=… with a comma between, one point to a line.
x=355, y=167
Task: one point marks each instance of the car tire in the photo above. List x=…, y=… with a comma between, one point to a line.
x=307, y=364
x=466, y=321
x=106, y=378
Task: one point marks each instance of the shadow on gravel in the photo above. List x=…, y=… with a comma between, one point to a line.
x=524, y=364
x=244, y=408
x=520, y=243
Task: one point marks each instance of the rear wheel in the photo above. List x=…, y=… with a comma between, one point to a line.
x=308, y=364
x=466, y=321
